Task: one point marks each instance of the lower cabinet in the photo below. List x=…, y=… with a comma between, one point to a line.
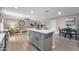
x=48, y=44
x=40, y=40
x=41, y=44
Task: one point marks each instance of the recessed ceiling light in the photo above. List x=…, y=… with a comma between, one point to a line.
x=32, y=12
x=59, y=12
x=16, y=7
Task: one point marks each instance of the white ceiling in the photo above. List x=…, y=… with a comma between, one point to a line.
x=39, y=12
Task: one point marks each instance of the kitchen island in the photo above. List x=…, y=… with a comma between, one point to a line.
x=42, y=39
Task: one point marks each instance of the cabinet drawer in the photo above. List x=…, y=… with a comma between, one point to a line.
x=48, y=35
x=40, y=36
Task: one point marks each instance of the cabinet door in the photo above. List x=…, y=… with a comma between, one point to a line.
x=48, y=44
x=41, y=42
x=35, y=39
x=30, y=36
x=70, y=21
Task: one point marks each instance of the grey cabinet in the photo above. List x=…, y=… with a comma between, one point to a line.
x=41, y=40
x=33, y=38
x=41, y=44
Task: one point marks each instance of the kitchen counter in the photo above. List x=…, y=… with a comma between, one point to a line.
x=42, y=39
x=41, y=30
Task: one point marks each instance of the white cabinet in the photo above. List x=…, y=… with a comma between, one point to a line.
x=70, y=21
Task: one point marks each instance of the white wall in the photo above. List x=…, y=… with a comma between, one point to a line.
x=52, y=25
x=60, y=23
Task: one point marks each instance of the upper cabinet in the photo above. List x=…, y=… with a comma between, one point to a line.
x=70, y=21
x=77, y=21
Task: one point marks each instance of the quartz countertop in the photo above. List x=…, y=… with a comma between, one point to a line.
x=41, y=30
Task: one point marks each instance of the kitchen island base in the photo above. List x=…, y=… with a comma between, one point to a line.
x=43, y=41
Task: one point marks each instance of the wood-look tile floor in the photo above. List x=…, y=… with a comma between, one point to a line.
x=64, y=44
x=19, y=42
